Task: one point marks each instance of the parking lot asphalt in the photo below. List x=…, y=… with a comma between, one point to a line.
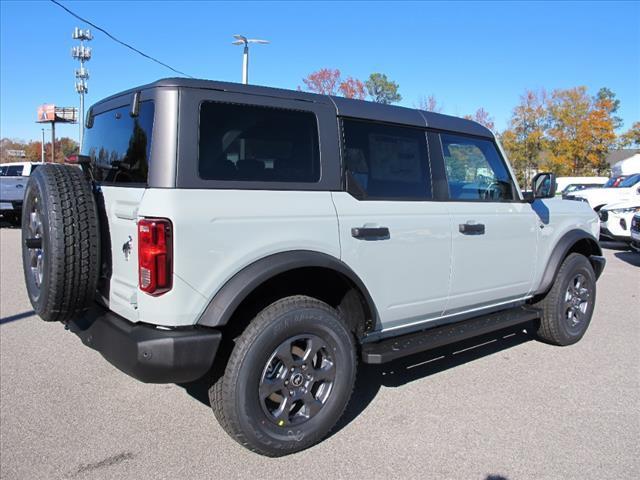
x=500, y=407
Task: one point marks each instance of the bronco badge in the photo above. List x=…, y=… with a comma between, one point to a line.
x=126, y=248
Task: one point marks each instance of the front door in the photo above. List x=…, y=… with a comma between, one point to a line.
x=494, y=233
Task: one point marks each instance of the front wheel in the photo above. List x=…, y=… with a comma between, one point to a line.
x=288, y=379
x=568, y=307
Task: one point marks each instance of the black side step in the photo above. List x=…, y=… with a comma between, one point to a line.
x=396, y=347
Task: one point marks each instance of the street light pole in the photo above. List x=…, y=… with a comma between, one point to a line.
x=242, y=40
x=245, y=65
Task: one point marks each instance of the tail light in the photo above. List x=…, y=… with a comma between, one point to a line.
x=155, y=255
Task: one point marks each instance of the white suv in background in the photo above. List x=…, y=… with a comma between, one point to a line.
x=615, y=219
x=599, y=197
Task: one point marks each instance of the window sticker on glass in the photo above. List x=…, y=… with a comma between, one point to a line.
x=394, y=159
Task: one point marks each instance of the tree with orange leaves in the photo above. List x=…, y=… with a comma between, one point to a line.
x=325, y=81
x=524, y=140
x=482, y=117
x=328, y=81
x=353, y=88
x=581, y=133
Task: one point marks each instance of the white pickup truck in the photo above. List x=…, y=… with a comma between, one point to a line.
x=13, y=180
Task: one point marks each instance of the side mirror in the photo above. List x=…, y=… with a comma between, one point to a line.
x=543, y=185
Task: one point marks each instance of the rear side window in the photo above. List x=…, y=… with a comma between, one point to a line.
x=251, y=143
x=120, y=145
x=12, y=170
x=475, y=171
x=387, y=161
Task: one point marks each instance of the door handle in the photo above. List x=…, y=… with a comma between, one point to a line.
x=471, y=228
x=370, y=233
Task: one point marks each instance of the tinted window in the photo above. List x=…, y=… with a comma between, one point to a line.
x=475, y=170
x=250, y=143
x=119, y=145
x=12, y=170
x=387, y=161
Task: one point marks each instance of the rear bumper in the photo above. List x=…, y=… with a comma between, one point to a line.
x=147, y=353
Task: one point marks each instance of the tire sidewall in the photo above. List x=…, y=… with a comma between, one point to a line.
x=253, y=421
x=36, y=188
x=574, y=265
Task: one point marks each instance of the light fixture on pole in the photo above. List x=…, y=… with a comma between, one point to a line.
x=82, y=53
x=241, y=40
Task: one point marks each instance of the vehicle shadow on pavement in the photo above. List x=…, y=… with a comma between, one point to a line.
x=421, y=365
x=609, y=245
x=400, y=372
x=632, y=258
x=17, y=316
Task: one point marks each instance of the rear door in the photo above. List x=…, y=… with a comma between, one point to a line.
x=119, y=145
x=494, y=233
x=392, y=234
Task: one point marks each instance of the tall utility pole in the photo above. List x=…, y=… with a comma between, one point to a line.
x=241, y=40
x=82, y=53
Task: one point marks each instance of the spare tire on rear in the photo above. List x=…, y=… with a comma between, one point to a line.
x=60, y=242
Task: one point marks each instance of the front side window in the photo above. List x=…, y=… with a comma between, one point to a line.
x=475, y=171
x=252, y=143
x=120, y=145
x=387, y=161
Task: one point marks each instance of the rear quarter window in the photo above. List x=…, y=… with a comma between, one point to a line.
x=120, y=145
x=254, y=143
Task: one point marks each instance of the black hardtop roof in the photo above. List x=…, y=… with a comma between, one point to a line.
x=344, y=106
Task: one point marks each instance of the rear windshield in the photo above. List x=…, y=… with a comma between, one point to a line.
x=119, y=145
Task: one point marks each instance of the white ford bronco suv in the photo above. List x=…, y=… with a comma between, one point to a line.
x=268, y=240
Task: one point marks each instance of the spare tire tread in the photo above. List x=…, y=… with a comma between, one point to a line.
x=74, y=242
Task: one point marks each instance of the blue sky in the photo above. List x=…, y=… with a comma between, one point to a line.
x=469, y=55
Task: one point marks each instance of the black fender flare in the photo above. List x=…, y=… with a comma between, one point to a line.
x=562, y=249
x=225, y=302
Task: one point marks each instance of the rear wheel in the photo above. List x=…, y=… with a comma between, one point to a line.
x=60, y=242
x=568, y=307
x=288, y=379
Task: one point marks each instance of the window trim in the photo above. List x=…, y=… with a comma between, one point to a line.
x=355, y=191
x=243, y=184
x=447, y=197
